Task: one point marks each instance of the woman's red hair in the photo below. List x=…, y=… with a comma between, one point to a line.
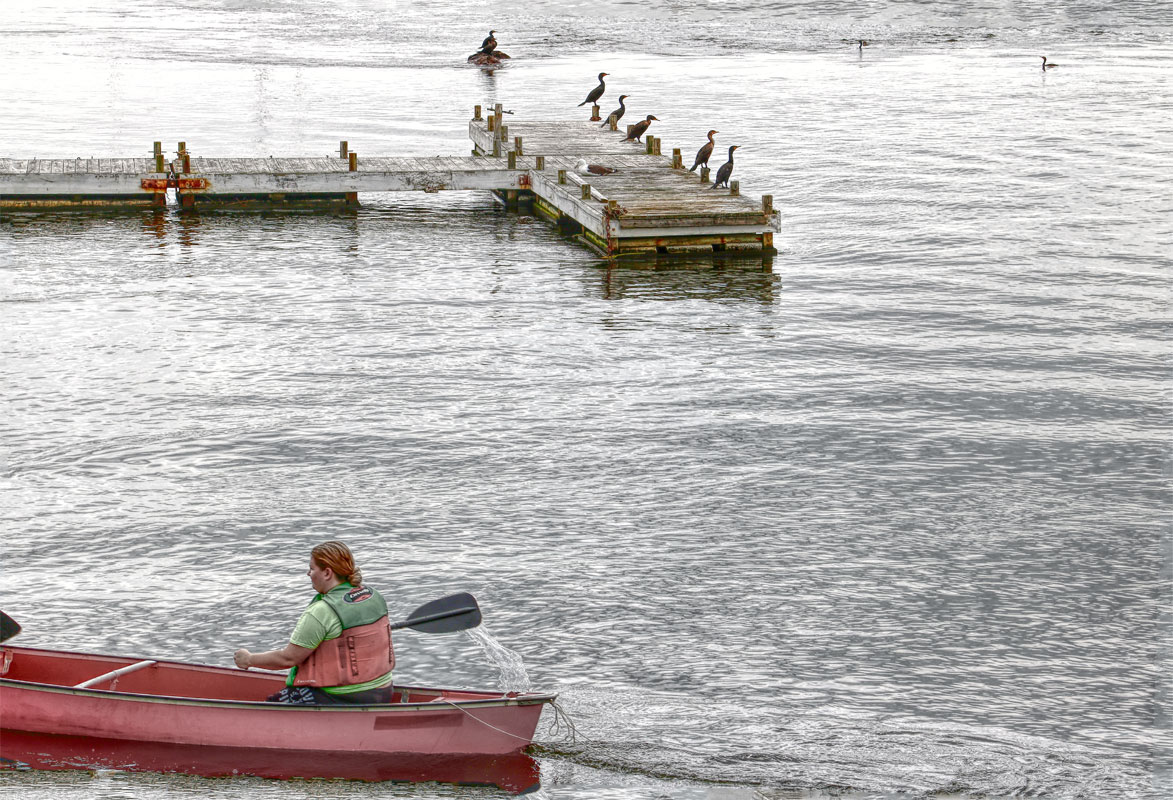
x=337, y=557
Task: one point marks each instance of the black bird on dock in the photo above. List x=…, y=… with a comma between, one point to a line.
x=597, y=92
x=617, y=113
x=702, y=155
x=726, y=169
x=1047, y=66
x=489, y=44
x=639, y=128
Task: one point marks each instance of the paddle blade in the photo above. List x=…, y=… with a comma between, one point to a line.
x=9, y=627
x=456, y=612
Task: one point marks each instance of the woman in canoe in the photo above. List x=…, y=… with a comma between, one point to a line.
x=324, y=666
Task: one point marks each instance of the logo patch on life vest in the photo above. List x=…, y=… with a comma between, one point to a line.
x=358, y=595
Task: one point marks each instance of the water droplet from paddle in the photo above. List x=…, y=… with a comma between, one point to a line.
x=513, y=674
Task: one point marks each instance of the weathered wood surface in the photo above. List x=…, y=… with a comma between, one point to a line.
x=654, y=198
x=646, y=201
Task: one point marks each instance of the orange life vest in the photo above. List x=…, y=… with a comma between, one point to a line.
x=362, y=653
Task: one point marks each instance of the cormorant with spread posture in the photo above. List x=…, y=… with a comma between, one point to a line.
x=617, y=113
x=597, y=92
x=1047, y=66
x=726, y=169
x=489, y=44
x=583, y=168
x=702, y=155
x=639, y=128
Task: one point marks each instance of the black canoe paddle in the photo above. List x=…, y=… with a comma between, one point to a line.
x=9, y=626
x=456, y=612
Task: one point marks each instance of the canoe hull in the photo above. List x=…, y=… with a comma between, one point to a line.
x=201, y=720
x=516, y=772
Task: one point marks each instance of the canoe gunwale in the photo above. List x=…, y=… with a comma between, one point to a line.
x=501, y=698
x=429, y=705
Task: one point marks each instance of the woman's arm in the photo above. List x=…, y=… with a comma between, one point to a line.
x=289, y=656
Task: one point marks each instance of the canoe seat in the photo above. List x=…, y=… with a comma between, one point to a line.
x=114, y=673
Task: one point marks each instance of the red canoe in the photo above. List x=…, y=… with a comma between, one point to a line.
x=168, y=716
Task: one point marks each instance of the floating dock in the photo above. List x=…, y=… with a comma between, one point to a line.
x=650, y=206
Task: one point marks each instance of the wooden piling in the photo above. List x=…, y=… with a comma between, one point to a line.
x=517, y=146
x=344, y=150
x=586, y=191
x=182, y=149
x=353, y=159
x=476, y=112
x=768, y=204
x=613, y=123
x=561, y=176
x=629, y=127
x=656, y=146
x=649, y=143
x=492, y=124
x=595, y=113
x=496, y=147
x=512, y=159
x=186, y=162
x=734, y=188
x=504, y=132
x=159, y=167
x=540, y=163
x=704, y=174
x=677, y=159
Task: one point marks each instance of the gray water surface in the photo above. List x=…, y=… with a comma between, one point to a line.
x=889, y=519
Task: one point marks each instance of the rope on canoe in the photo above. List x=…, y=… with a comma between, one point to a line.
x=478, y=719
x=562, y=724
x=562, y=729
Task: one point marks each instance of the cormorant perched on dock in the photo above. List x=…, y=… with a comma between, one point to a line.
x=617, y=113
x=597, y=92
x=1047, y=66
x=702, y=155
x=639, y=128
x=583, y=168
x=726, y=169
x=489, y=44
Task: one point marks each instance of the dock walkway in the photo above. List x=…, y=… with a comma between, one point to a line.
x=650, y=205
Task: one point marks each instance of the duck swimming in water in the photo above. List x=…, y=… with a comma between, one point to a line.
x=726, y=170
x=597, y=92
x=702, y=155
x=617, y=113
x=641, y=127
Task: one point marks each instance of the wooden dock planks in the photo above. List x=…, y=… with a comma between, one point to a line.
x=646, y=205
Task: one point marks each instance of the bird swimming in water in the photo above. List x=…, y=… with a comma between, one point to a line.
x=583, y=168
x=617, y=113
x=1047, y=66
x=726, y=169
x=489, y=44
x=862, y=44
x=702, y=155
x=639, y=128
x=597, y=92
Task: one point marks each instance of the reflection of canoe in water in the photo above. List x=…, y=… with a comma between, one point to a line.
x=201, y=720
